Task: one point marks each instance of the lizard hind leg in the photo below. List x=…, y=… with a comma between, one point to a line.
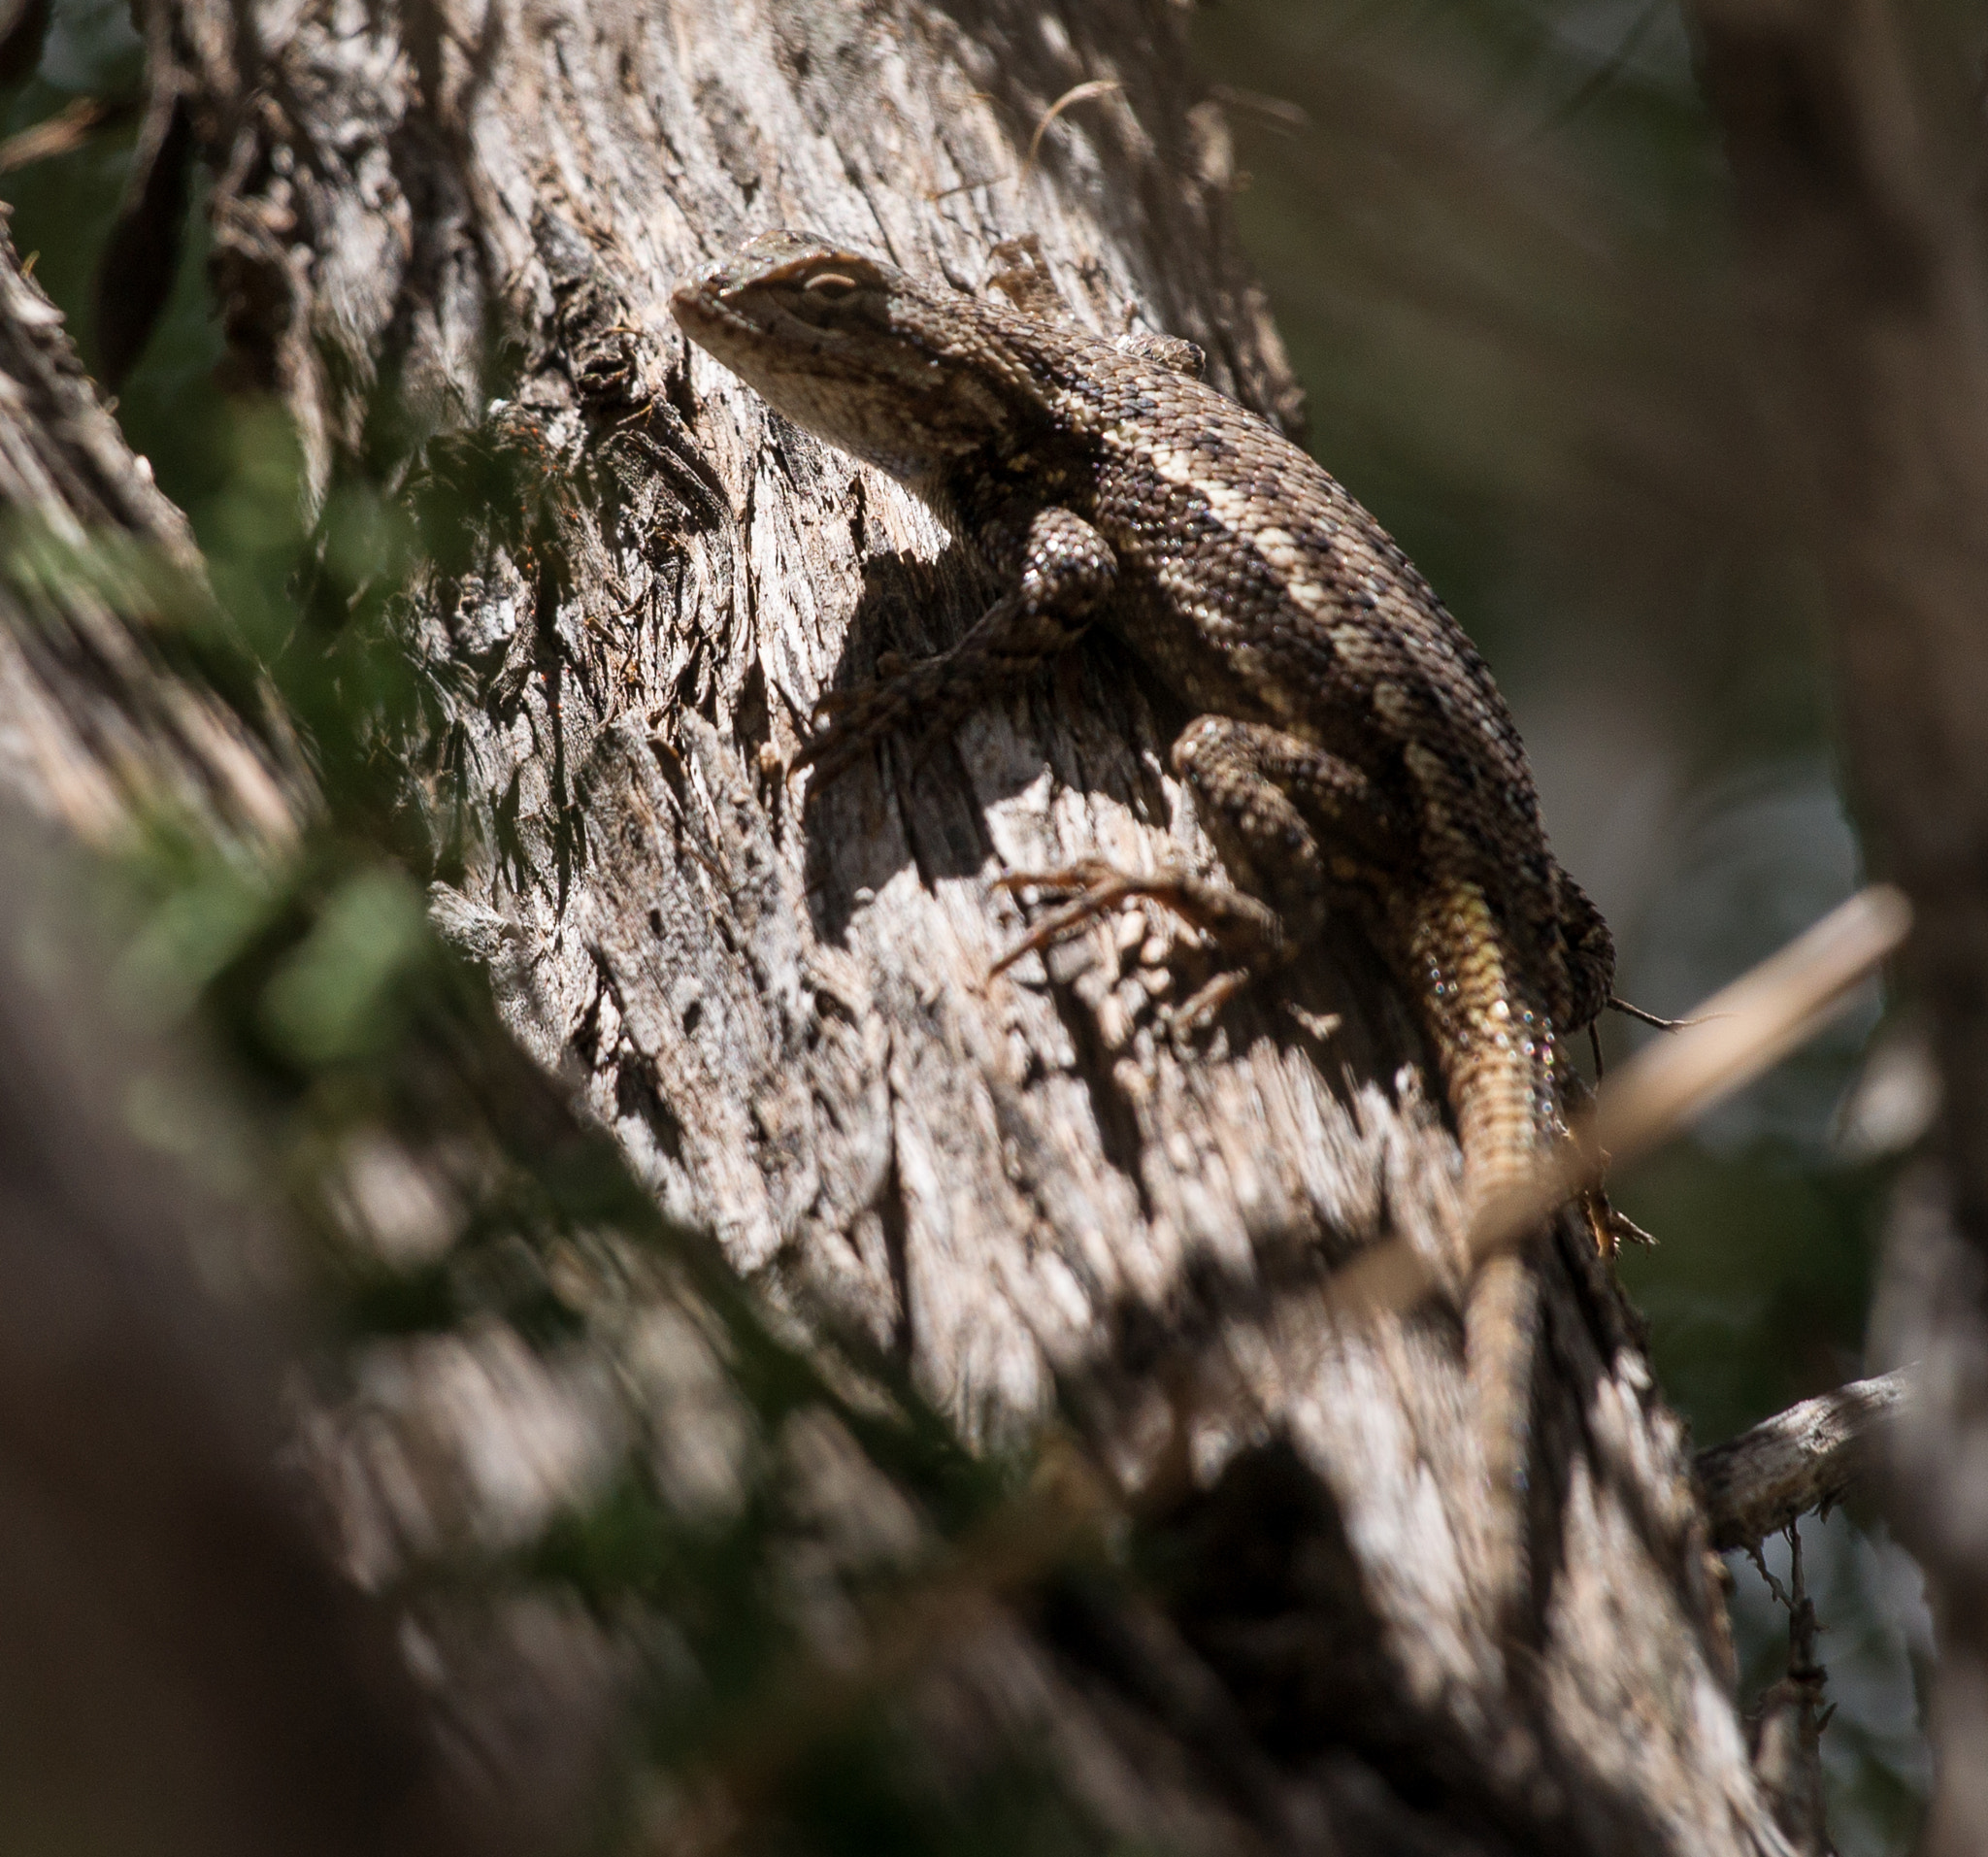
x=1244, y=930
x=1269, y=801
x=1588, y=955
x=1284, y=814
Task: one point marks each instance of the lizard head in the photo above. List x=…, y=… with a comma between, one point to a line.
x=904, y=374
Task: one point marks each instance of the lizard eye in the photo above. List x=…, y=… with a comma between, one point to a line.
x=831, y=284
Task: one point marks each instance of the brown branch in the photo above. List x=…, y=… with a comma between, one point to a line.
x=66, y=131
x=1856, y=154
x=1785, y=1729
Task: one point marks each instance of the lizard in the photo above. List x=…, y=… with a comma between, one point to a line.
x=1349, y=749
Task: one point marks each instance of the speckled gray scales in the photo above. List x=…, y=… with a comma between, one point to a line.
x=1351, y=746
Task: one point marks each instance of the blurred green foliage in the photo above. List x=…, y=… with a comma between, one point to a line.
x=343, y=1019
x=61, y=211
x=345, y=1026
x=1495, y=238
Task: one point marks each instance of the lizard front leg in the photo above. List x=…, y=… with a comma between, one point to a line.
x=1065, y=573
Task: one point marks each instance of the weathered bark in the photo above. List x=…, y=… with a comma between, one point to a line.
x=1807, y=1458
x=1022, y=1187
x=1858, y=175
x=183, y=1670
x=90, y=718
x=187, y=1663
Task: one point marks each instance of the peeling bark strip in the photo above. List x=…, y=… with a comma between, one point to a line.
x=786, y=1021
x=91, y=721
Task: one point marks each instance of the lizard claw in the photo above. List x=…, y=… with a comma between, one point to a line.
x=1203, y=1006
x=846, y=724
x=1238, y=925
x=1091, y=886
x=828, y=757
x=1606, y=1226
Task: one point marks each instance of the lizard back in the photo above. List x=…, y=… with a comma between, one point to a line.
x=1251, y=581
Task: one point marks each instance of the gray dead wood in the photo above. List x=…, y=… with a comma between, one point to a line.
x=1022, y=1187
x=206, y=1674
x=1806, y=1458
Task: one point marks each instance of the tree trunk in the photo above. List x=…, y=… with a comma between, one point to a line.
x=183, y=1669
x=1870, y=287
x=1022, y=1188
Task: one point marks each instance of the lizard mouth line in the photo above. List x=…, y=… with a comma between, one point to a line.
x=707, y=310
x=717, y=323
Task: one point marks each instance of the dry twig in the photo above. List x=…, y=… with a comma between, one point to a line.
x=1732, y=1038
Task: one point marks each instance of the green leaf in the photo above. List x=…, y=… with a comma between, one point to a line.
x=338, y=998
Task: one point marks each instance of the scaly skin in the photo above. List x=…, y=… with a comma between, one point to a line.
x=1350, y=748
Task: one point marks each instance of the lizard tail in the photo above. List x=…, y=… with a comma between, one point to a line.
x=1495, y=1041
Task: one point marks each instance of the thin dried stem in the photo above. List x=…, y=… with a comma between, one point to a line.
x=1076, y=93
x=1735, y=1037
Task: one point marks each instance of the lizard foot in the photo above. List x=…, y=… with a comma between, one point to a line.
x=1606, y=1226
x=1238, y=925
